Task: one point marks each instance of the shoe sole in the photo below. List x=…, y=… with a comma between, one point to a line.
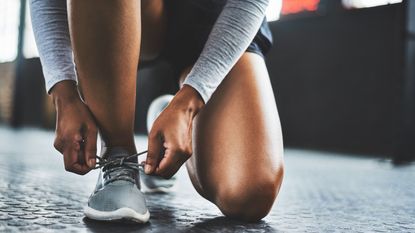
x=159, y=190
x=117, y=215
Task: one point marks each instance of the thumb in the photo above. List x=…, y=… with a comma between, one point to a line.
x=91, y=148
x=155, y=148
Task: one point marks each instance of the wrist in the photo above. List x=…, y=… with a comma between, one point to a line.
x=64, y=92
x=189, y=100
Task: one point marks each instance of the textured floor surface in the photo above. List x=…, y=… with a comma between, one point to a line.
x=321, y=193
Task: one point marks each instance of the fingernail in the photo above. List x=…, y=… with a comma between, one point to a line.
x=91, y=163
x=147, y=169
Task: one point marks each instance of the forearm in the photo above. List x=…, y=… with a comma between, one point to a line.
x=231, y=35
x=50, y=26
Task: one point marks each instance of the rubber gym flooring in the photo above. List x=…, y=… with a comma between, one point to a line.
x=322, y=192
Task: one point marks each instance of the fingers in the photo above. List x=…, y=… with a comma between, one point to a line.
x=71, y=155
x=90, y=151
x=155, y=149
x=171, y=163
x=78, y=152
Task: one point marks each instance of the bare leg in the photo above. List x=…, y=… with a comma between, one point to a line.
x=237, y=160
x=106, y=37
x=154, y=24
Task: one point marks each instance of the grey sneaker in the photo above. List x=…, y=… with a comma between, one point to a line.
x=117, y=195
x=156, y=107
x=153, y=184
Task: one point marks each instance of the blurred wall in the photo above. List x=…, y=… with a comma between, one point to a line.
x=338, y=78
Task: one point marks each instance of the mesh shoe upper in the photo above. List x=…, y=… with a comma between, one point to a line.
x=118, y=185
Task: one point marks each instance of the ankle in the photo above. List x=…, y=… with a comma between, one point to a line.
x=108, y=151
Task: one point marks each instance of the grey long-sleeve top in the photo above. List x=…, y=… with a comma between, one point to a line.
x=231, y=35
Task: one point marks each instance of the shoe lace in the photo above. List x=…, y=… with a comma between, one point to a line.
x=118, y=168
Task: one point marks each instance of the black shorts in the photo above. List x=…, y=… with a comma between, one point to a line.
x=189, y=25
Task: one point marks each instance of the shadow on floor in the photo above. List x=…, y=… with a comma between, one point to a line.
x=223, y=224
x=100, y=226
x=217, y=224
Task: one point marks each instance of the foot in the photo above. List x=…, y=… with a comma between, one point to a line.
x=153, y=184
x=117, y=195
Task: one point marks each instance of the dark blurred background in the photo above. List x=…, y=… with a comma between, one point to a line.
x=343, y=73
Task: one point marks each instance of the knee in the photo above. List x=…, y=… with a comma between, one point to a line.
x=249, y=200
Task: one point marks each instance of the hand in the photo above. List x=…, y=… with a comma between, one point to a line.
x=170, y=138
x=76, y=131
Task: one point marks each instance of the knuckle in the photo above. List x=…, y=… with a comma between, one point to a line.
x=57, y=144
x=76, y=137
x=68, y=168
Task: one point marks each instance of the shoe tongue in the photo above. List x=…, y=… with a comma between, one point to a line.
x=116, y=152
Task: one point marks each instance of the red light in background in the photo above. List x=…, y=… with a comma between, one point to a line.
x=296, y=6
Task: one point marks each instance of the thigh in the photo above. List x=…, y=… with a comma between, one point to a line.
x=154, y=26
x=237, y=142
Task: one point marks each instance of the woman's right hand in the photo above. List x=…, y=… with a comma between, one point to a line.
x=76, y=130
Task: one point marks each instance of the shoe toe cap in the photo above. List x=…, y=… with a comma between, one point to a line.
x=118, y=195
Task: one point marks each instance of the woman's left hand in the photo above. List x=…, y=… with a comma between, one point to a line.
x=170, y=138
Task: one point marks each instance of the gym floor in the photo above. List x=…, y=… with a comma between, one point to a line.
x=322, y=192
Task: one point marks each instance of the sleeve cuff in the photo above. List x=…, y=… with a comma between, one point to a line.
x=51, y=83
x=204, y=92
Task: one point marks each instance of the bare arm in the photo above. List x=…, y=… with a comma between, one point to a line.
x=76, y=131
